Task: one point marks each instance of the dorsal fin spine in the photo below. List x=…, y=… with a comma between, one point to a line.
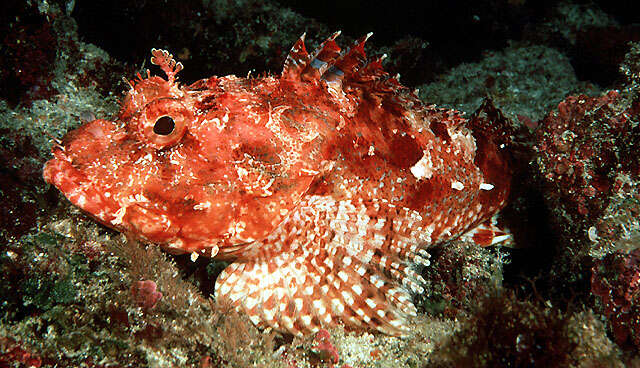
x=334, y=68
x=322, y=58
x=349, y=62
x=371, y=71
x=297, y=59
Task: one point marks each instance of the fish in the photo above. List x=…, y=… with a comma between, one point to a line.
x=323, y=186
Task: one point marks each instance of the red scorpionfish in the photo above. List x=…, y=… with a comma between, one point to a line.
x=323, y=185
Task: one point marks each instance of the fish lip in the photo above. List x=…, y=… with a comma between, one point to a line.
x=74, y=185
x=104, y=208
x=89, y=197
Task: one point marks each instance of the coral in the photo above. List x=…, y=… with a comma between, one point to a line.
x=582, y=145
x=615, y=281
x=145, y=295
x=594, y=40
x=525, y=81
x=615, y=276
x=459, y=274
x=584, y=148
x=569, y=18
x=342, y=348
x=584, y=152
x=630, y=66
x=323, y=349
x=504, y=332
x=84, y=308
x=12, y=353
x=587, y=162
x=617, y=229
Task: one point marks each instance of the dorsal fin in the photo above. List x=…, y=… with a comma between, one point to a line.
x=372, y=70
x=386, y=83
x=166, y=62
x=348, y=63
x=335, y=69
x=297, y=59
x=322, y=59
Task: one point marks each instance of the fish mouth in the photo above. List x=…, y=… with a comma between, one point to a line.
x=60, y=173
x=78, y=171
x=131, y=214
x=81, y=146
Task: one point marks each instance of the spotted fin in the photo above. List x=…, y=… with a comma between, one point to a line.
x=299, y=280
x=322, y=59
x=350, y=62
x=334, y=69
x=328, y=63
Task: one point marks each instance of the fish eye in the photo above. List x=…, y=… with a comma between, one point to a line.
x=164, y=125
x=163, y=122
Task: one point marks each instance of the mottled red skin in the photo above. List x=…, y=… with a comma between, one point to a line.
x=101, y=153
x=248, y=158
x=98, y=155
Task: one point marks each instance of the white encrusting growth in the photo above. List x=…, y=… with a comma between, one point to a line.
x=423, y=169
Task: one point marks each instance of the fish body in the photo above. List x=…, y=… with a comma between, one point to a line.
x=322, y=185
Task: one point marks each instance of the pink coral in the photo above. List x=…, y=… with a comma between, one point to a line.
x=13, y=354
x=145, y=295
x=582, y=145
x=324, y=349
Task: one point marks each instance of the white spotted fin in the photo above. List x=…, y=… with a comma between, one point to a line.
x=352, y=272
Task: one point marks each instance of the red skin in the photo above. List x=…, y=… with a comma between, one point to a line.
x=248, y=157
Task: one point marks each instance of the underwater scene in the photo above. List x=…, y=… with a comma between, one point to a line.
x=349, y=184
